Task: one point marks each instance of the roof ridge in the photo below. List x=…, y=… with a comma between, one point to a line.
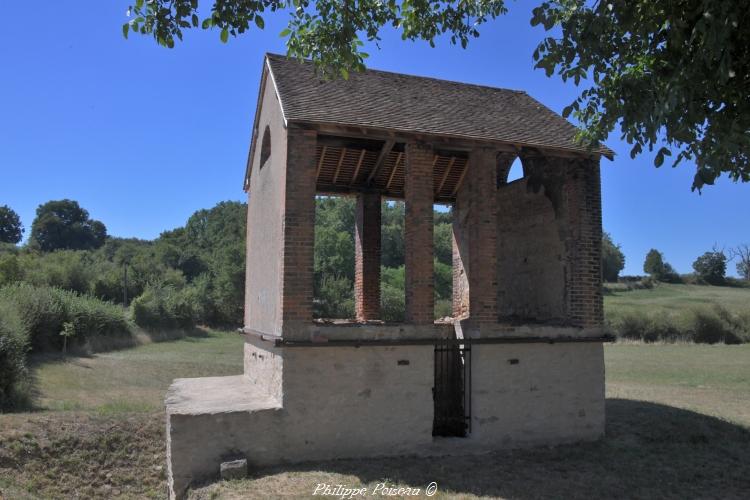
x=271, y=55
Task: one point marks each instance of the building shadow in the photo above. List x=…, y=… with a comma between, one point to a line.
x=649, y=451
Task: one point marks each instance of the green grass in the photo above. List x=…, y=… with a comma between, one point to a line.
x=678, y=426
x=670, y=299
x=133, y=379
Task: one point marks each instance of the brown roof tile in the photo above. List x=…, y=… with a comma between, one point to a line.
x=413, y=104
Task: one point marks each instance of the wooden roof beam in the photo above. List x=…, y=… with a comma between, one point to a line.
x=320, y=162
x=387, y=146
x=359, y=165
x=338, y=166
x=393, y=172
x=460, y=180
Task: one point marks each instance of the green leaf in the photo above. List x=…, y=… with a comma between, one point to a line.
x=207, y=23
x=259, y=21
x=285, y=32
x=224, y=35
x=125, y=29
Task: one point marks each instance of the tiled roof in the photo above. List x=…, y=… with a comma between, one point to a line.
x=412, y=104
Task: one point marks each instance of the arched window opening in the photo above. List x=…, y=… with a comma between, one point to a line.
x=265, y=149
x=516, y=171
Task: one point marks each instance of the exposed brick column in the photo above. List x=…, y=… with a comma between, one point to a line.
x=582, y=205
x=299, y=230
x=482, y=227
x=418, y=234
x=367, y=257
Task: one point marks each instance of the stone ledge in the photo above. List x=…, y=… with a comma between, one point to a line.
x=214, y=395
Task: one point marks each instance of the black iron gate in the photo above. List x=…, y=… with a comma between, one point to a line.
x=452, y=390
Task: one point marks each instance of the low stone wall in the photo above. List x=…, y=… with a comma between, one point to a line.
x=317, y=403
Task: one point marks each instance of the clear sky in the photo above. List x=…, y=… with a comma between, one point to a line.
x=143, y=136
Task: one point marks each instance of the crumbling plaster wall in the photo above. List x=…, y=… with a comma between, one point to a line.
x=530, y=255
x=263, y=283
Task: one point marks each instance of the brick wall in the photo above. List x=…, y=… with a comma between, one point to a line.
x=299, y=229
x=583, y=213
x=418, y=234
x=367, y=257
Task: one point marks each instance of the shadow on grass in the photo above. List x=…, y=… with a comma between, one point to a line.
x=649, y=451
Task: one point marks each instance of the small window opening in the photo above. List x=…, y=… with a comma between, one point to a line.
x=516, y=171
x=443, y=255
x=265, y=149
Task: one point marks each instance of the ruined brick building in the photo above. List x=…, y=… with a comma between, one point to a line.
x=521, y=361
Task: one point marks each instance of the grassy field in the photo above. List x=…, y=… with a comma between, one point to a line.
x=669, y=299
x=678, y=426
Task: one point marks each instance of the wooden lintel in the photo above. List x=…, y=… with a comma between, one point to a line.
x=393, y=172
x=381, y=159
x=320, y=162
x=359, y=165
x=338, y=166
x=460, y=179
x=445, y=175
x=454, y=142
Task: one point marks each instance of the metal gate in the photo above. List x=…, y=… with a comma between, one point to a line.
x=452, y=390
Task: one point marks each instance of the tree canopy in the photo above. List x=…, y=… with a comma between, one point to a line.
x=63, y=224
x=11, y=228
x=674, y=76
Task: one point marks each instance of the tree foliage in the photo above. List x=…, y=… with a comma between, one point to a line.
x=742, y=254
x=11, y=228
x=671, y=72
x=328, y=31
x=613, y=260
x=63, y=224
x=711, y=267
x=658, y=268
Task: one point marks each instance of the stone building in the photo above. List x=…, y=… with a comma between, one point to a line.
x=521, y=361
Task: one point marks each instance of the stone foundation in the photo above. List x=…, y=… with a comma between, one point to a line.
x=298, y=404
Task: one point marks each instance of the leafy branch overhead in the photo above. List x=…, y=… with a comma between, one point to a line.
x=673, y=76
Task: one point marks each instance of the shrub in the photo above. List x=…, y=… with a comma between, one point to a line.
x=163, y=307
x=13, y=347
x=335, y=298
x=43, y=312
x=716, y=324
x=392, y=303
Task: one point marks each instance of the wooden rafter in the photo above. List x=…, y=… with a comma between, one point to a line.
x=359, y=165
x=393, y=172
x=320, y=162
x=381, y=159
x=445, y=175
x=338, y=166
x=460, y=179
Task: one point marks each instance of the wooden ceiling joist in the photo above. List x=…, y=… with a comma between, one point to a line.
x=445, y=175
x=320, y=162
x=387, y=146
x=393, y=171
x=338, y=166
x=359, y=165
x=460, y=180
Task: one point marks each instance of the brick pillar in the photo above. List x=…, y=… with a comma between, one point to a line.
x=299, y=231
x=367, y=257
x=418, y=233
x=582, y=213
x=482, y=227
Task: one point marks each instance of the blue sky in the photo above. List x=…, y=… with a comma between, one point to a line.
x=143, y=136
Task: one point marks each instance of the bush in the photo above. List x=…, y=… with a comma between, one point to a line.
x=648, y=328
x=13, y=347
x=335, y=298
x=43, y=311
x=162, y=307
x=715, y=324
x=392, y=303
